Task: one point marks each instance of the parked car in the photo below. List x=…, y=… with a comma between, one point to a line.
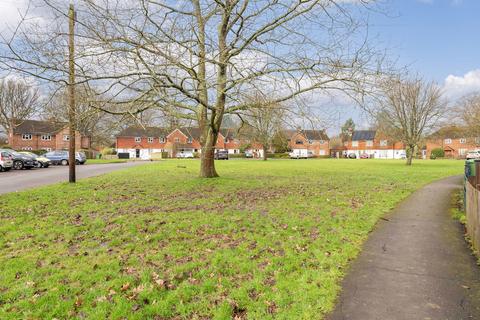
x=62, y=156
x=221, y=155
x=42, y=162
x=364, y=156
x=21, y=161
x=6, y=161
x=185, y=154
x=352, y=156
x=300, y=154
x=473, y=155
x=248, y=154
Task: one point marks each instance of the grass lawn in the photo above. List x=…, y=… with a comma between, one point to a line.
x=102, y=161
x=266, y=240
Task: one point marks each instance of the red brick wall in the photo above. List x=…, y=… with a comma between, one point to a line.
x=452, y=149
x=315, y=146
x=362, y=145
x=16, y=141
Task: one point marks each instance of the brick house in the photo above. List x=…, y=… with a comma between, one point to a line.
x=375, y=145
x=454, y=141
x=44, y=135
x=142, y=142
x=302, y=141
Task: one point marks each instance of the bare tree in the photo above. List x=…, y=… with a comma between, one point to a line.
x=18, y=101
x=468, y=113
x=195, y=59
x=263, y=121
x=409, y=107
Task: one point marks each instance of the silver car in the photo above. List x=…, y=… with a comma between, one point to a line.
x=6, y=161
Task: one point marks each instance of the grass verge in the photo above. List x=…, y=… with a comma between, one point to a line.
x=105, y=161
x=266, y=240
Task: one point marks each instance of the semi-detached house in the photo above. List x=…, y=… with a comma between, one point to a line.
x=141, y=142
x=375, y=145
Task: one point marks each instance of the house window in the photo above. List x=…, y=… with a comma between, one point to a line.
x=66, y=137
x=354, y=143
x=448, y=141
x=27, y=148
x=462, y=152
x=138, y=139
x=322, y=152
x=463, y=140
x=226, y=140
x=26, y=136
x=177, y=140
x=162, y=140
x=47, y=149
x=150, y=139
x=369, y=143
x=190, y=140
x=46, y=137
x=299, y=142
x=310, y=141
x=322, y=141
x=383, y=143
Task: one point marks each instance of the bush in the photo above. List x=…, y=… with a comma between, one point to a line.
x=196, y=155
x=108, y=152
x=236, y=155
x=437, y=153
x=278, y=155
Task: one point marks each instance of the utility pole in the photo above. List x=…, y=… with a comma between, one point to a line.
x=71, y=93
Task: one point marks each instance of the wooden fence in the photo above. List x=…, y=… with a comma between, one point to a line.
x=472, y=202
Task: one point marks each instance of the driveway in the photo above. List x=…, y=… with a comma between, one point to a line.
x=415, y=265
x=17, y=180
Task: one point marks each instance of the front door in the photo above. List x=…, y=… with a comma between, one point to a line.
x=137, y=153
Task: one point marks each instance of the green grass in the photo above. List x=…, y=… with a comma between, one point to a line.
x=457, y=209
x=103, y=161
x=266, y=240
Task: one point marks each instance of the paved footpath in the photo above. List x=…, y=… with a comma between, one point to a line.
x=415, y=265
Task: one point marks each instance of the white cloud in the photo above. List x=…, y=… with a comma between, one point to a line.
x=456, y=86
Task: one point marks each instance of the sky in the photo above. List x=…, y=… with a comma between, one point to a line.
x=438, y=39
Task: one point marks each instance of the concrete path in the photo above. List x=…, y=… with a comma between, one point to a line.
x=415, y=265
x=17, y=180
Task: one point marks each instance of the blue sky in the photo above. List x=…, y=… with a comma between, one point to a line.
x=438, y=38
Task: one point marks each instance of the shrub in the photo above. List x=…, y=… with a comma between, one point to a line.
x=437, y=153
x=108, y=151
x=278, y=155
x=236, y=155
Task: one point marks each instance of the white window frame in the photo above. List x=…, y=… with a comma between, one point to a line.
x=462, y=152
x=463, y=140
x=447, y=141
x=150, y=139
x=138, y=139
x=190, y=140
x=310, y=141
x=66, y=137
x=27, y=136
x=383, y=143
x=369, y=143
x=46, y=137
x=27, y=148
x=162, y=140
x=322, y=141
x=354, y=143
x=177, y=140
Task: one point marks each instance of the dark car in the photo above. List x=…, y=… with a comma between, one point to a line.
x=22, y=161
x=61, y=157
x=352, y=156
x=221, y=155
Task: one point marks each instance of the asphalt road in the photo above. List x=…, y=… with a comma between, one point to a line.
x=17, y=180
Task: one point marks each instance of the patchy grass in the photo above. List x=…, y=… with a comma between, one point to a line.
x=266, y=240
x=104, y=161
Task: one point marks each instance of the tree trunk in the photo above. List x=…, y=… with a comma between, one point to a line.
x=264, y=153
x=207, y=161
x=410, y=152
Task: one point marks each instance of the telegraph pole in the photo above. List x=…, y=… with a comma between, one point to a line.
x=71, y=93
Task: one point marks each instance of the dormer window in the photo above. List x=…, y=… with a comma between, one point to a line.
x=299, y=142
x=162, y=139
x=310, y=141
x=322, y=141
x=189, y=140
x=150, y=140
x=138, y=139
